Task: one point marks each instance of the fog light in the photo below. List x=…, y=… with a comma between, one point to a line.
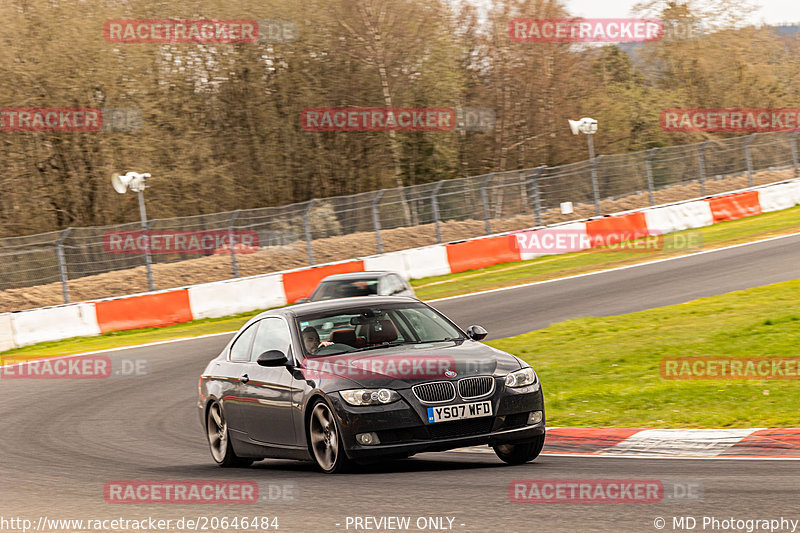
x=534, y=417
x=368, y=439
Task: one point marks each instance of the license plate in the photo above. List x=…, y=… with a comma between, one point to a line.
x=459, y=412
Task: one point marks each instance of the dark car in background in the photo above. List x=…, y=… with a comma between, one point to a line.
x=360, y=379
x=352, y=284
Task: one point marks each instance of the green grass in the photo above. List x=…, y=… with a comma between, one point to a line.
x=727, y=233
x=508, y=274
x=605, y=371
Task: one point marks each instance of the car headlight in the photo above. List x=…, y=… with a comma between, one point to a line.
x=369, y=396
x=520, y=378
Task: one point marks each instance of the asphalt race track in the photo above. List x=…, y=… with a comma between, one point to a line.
x=63, y=440
x=514, y=311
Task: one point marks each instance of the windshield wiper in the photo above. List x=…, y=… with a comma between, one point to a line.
x=426, y=342
x=401, y=343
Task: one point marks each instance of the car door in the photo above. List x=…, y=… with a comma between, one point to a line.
x=236, y=367
x=268, y=391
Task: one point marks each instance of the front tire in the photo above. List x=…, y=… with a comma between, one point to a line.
x=219, y=439
x=325, y=440
x=519, y=453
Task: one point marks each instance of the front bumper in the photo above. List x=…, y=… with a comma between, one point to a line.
x=403, y=429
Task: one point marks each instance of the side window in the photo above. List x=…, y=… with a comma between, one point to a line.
x=389, y=285
x=324, y=291
x=385, y=286
x=240, y=351
x=399, y=284
x=272, y=334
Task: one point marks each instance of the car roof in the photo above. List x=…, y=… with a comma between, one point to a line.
x=336, y=304
x=369, y=274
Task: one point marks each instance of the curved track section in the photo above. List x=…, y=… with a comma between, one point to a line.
x=62, y=441
x=517, y=310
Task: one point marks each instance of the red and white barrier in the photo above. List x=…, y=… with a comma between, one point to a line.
x=394, y=261
x=735, y=206
x=6, y=332
x=54, y=323
x=426, y=262
x=778, y=197
x=230, y=297
x=276, y=289
x=678, y=217
x=547, y=239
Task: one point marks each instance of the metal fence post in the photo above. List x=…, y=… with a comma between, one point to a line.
x=485, y=200
x=62, y=265
x=376, y=221
x=435, y=205
x=595, y=186
x=701, y=167
x=537, y=199
x=793, y=145
x=307, y=229
x=234, y=261
x=148, y=260
x=648, y=165
x=749, y=157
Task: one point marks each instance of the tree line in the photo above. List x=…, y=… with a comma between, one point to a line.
x=218, y=125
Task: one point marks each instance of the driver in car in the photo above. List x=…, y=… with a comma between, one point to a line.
x=311, y=340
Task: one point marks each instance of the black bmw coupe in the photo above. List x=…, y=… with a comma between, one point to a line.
x=360, y=379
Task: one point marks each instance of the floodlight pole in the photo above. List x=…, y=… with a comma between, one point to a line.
x=593, y=163
x=147, y=259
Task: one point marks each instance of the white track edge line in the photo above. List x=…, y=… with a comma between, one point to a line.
x=106, y=350
x=694, y=254
x=643, y=456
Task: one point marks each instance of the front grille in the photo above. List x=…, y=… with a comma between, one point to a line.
x=435, y=392
x=461, y=428
x=475, y=387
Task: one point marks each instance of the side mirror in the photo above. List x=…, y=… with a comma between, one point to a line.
x=302, y=300
x=476, y=333
x=272, y=358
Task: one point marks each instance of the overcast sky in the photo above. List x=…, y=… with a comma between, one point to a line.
x=771, y=12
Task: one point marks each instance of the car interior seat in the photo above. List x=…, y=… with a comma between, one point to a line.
x=380, y=331
x=348, y=336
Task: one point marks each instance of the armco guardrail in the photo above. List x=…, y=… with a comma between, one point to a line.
x=481, y=201
x=223, y=298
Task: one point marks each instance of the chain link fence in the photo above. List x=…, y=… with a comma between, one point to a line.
x=392, y=219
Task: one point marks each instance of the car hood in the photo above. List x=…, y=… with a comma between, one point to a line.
x=403, y=366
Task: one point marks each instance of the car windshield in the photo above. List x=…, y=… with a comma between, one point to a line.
x=371, y=327
x=345, y=288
